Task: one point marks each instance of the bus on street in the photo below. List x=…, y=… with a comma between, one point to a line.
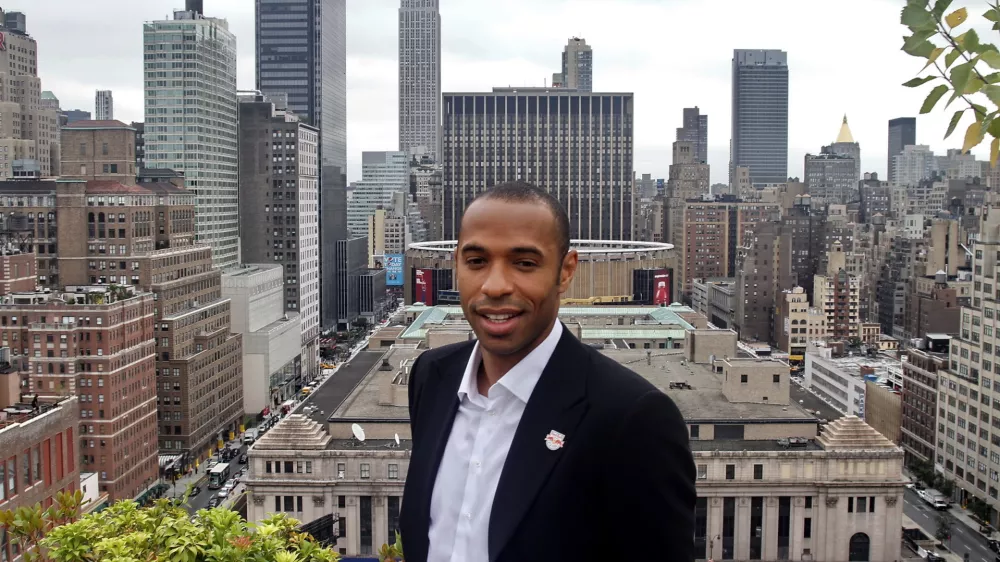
x=218, y=476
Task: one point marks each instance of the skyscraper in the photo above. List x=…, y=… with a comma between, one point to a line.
x=845, y=145
x=420, y=76
x=577, y=66
x=382, y=175
x=591, y=177
x=695, y=130
x=760, y=115
x=192, y=129
x=902, y=133
x=104, y=106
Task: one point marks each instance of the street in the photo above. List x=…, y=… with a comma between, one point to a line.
x=963, y=539
x=201, y=500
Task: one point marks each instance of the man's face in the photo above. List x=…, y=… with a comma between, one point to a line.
x=511, y=273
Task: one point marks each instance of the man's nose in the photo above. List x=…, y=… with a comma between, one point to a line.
x=497, y=282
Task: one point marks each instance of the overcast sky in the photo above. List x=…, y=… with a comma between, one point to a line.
x=843, y=57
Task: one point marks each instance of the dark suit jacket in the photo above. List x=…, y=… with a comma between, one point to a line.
x=621, y=488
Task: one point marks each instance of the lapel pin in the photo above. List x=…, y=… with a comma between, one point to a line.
x=554, y=440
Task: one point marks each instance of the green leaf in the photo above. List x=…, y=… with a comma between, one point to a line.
x=969, y=41
x=994, y=151
x=918, y=81
x=939, y=7
x=933, y=97
x=991, y=58
x=994, y=128
x=993, y=92
x=954, y=122
x=973, y=85
x=917, y=45
x=973, y=136
x=960, y=76
x=991, y=15
x=916, y=16
x=951, y=56
x=956, y=18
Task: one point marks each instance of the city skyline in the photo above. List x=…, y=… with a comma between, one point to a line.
x=478, y=54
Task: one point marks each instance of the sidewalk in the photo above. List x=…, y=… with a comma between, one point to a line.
x=957, y=511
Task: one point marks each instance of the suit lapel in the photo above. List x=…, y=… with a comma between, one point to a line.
x=438, y=417
x=556, y=404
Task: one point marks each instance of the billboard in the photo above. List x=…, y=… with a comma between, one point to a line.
x=661, y=287
x=423, y=288
x=393, y=270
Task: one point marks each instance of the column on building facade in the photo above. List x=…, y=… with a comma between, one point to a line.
x=770, y=541
x=714, y=527
x=796, y=524
x=353, y=511
x=824, y=547
x=380, y=521
x=741, y=538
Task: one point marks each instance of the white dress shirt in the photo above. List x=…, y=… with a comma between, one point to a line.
x=475, y=454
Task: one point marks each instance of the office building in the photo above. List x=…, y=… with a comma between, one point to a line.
x=577, y=71
x=839, y=377
x=755, y=275
x=912, y=165
x=695, y=130
x=420, y=77
x=388, y=232
x=74, y=115
x=49, y=101
x=140, y=144
x=29, y=132
x=688, y=179
x=760, y=115
x=750, y=475
x=713, y=233
x=922, y=366
x=838, y=294
x=193, y=130
x=845, y=145
x=902, y=133
x=831, y=178
x=875, y=198
x=533, y=134
x=272, y=352
x=104, y=106
x=280, y=206
x=382, y=175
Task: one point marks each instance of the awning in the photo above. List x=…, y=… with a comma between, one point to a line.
x=168, y=460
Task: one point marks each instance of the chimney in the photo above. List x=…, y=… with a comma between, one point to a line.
x=195, y=6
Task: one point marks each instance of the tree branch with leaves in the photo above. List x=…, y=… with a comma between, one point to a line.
x=960, y=64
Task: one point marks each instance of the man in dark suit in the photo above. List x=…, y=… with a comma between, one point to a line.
x=527, y=444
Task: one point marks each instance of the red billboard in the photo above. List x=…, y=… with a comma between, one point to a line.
x=661, y=287
x=423, y=286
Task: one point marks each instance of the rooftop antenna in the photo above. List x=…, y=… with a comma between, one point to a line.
x=397, y=439
x=359, y=432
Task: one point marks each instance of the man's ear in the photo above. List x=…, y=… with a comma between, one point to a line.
x=568, y=270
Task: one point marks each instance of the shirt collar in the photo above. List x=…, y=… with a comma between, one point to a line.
x=522, y=378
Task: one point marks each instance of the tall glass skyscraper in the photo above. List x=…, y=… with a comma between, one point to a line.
x=420, y=76
x=902, y=133
x=760, y=115
x=190, y=107
x=302, y=54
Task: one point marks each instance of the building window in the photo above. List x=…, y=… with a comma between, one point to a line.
x=807, y=528
x=702, y=471
x=366, y=470
x=309, y=467
x=777, y=379
x=393, y=471
x=850, y=505
x=758, y=472
x=341, y=470
x=267, y=467
x=695, y=431
x=743, y=379
x=809, y=502
x=104, y=148
x=730, y=472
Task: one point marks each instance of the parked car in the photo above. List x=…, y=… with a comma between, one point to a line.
x=243, y=458
x=214, y=502
x=993, y=545
x=223, y=493
x=195, y=491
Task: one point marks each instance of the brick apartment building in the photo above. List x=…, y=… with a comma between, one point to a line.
x=115, y=231
x=40, y=457
x=96, y=343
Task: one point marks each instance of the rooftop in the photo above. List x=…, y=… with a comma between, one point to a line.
x=367, y=401
x=851, y=364
x=95, y=124
x=656, y=322
x=704, y=402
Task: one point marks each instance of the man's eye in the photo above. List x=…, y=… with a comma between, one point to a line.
x=475, y=261
x=527, y=264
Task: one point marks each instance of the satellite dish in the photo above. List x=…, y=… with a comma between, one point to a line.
x=358, y=432
x=397, y=439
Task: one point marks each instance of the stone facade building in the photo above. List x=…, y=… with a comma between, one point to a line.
x=830, y=494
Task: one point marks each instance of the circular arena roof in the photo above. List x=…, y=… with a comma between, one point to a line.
x=581, y=246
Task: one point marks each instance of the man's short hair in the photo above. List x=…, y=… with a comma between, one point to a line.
x=523, y=192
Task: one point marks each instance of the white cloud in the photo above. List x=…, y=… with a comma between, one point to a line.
x=844, y=57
